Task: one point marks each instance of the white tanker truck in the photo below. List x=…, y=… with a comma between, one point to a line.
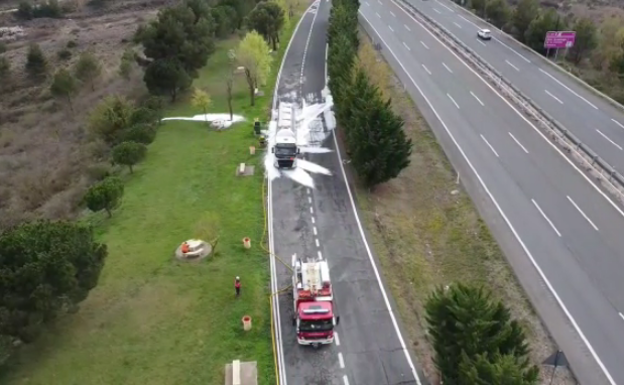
x=285, y=148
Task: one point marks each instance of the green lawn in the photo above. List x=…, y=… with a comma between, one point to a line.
x=153, y=320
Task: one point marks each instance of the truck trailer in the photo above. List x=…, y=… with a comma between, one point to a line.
x=285, y=147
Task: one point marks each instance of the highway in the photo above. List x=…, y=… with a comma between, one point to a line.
x=321, y=222
x=593, y=120
x=561, y=233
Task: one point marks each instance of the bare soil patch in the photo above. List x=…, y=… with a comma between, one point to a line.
x=427, y=233
x=46, y=157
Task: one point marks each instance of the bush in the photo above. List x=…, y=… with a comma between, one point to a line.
x=105, y=195
x=36, y=62
x=64, y=54
x=45, y=268
x=140, y=133
x=3, y=47
x=129, y=153
x=72, y=44
x=25, y=10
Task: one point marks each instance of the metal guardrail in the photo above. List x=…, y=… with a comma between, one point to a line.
x=610, y=178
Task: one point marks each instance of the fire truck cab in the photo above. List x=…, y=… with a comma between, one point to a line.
x=313, y=300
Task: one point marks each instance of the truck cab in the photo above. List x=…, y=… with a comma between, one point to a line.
x=314, y=315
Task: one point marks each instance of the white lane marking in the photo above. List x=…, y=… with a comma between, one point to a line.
x=317, y=242
x=609, y=139
x=336, y=339
x=426, y=69
x=366, y=2
x=457, y=25
x=307, y=44
x=512, y=66
x=437, y=1
x=513, y=50
x=406, y=27
x=545, y=217
x=482, y=43
x=314, y=230
x=341, y=360
x=437, y=11
x=478, y=100
x=273, y=267
x=379, y=1
x=618, y=123
x=567, y=88
x=311, y=210
x=445, y=66
x=377, y=15
x=313, y=220
x=309, y=200
x=308, y=191
x=518, y=142
x=621, y=315
x=554, y=97
x=469, y=21
x=424, y=45
x=344, y=378
x=408, y=357
x=407, y=46
x=393, y=15
x=489, y=145
x=489, y=193
x=453, y=100
x=582, y=213
x=391, y=28
x=320, y=255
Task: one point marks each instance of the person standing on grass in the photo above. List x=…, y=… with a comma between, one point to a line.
x=237, y=286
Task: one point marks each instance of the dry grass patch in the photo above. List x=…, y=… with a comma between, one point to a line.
x=427, y=232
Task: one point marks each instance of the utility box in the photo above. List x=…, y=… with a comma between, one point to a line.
x=241, y=373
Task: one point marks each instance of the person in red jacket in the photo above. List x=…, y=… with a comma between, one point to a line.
x=237, y=286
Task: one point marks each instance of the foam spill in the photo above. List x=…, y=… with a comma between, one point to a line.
x=300, y=176
x=217, y=120
x=315, y=150
x=312, y=167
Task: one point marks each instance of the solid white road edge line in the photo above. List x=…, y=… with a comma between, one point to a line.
x=541, y=134
x=489, y=145
x=272, y=263
x=582, y=213
x=609, y=139
x=567, y=88
x=518, y=142
x=368, y=250
x=495, y=202
x=545, y=217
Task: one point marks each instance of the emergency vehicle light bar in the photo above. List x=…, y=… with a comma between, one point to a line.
x=314, y=311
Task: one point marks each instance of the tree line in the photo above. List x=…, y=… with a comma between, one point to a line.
x=48, y=267
x=475, y=340
x=598, y=46
x=373, y=133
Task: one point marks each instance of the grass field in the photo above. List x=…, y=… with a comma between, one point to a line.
x=153, y=320
x=426, y=232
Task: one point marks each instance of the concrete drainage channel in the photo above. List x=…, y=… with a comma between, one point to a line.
x=597, y=167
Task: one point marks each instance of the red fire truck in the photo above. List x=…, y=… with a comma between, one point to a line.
x=313, y=300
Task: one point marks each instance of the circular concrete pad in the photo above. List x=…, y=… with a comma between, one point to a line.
x=198, y=250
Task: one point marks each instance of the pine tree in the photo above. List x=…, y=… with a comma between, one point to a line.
x=464, y=323
x=499, y=369
x=376, y=143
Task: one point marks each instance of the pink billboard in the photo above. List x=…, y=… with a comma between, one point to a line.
x=559, y=39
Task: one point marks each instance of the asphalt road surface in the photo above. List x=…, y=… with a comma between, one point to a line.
x=561, y=233
x=593, y=120
x=321, y=222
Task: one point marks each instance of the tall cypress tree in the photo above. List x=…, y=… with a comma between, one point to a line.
x=465, y=323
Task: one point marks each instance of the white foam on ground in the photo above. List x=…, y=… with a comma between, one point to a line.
x=312, y=167
x=219, y=120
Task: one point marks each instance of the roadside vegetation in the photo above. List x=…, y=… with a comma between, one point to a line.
x=428, y=235
x=152, y=319
x=598, y=52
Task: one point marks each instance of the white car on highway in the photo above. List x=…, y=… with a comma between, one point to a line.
x=484, y=34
